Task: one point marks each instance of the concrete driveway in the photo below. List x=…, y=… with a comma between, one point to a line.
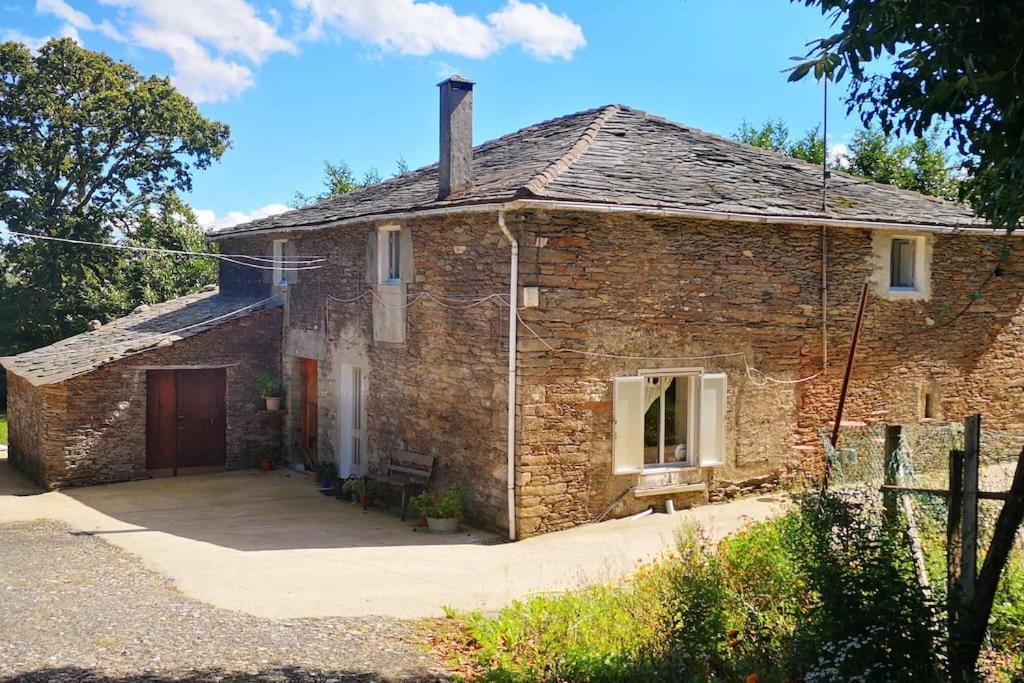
x=270, y=545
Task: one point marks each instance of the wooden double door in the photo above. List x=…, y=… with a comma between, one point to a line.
x=185, y=421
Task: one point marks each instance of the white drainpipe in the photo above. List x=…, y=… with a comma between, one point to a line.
x=513, y=307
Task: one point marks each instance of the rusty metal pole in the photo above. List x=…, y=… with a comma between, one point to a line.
x=846, y=377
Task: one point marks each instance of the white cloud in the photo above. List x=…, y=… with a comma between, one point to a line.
x=414, y=27
x=75, y=20
x=208, y=219
x=839, y=155
x=230, y=27
x=210, y=42
x=540, y=31
x=214, y=45
x=31, y=42
x=201, y=76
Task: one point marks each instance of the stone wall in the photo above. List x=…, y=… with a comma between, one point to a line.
x=35, y=427
x=744, y=300
x=92, y=429
x=440, y=392
x=632, y=286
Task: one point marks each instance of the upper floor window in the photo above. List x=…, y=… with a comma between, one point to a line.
x=389, y=254
x=903, y=263
x=279, y=249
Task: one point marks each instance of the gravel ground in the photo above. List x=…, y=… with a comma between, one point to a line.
x=74, y=608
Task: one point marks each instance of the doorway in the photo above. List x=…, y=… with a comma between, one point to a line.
x=186, y=422
x=308, y=370
x=353, y=421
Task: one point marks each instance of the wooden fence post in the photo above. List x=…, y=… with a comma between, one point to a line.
x=892, y=470
x=954, y=542
x=969, y=551
x=961, y=662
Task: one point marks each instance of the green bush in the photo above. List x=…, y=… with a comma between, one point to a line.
x=822, y=593
x=444, y=505
x=269, y=386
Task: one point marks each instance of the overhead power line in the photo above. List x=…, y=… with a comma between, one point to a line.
x=284, y=263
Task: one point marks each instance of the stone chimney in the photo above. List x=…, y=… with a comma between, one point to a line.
x=455, y=167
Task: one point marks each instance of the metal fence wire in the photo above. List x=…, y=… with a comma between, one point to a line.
x=858, y=464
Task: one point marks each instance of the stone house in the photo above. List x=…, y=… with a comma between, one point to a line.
x=682, y=304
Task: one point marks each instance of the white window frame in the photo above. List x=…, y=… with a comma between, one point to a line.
x=706, y=421
x=921, y=276
x=692, y=376
x=278, y=250
x=389, y=262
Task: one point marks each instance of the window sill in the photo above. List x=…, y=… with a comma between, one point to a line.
x=673, y=467
x=643, y=492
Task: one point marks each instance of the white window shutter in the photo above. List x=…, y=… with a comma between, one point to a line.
x=711, y=424
x=628, y=411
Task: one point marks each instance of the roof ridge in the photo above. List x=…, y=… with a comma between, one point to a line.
x=537, y=183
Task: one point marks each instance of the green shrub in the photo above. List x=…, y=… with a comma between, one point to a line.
x=869, y=620
x=825, y=592
x=268, y=385
x=446, y=504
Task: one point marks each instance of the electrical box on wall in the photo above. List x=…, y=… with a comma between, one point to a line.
x=531, y=297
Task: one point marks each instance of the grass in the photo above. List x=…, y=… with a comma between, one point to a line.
x=3, y=428
x=823, y=593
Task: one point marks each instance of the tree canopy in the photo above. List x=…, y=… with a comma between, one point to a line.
x=919, y=164
x=92, y=150
x=339, y=179
x=920, y=65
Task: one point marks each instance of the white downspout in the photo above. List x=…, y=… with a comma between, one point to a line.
x=513, y=308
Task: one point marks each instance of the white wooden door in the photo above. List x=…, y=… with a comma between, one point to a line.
x=352, y=439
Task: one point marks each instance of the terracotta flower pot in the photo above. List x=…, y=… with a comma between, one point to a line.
x=273, y=403
x=266, y=464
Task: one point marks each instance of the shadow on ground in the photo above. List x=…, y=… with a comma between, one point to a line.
x=253, y=511
x=278, y=675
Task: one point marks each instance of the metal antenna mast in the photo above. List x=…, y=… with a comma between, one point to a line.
x=824, y=145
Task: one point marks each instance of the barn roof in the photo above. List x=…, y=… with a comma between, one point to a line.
x=155, y=327
x=622, y=157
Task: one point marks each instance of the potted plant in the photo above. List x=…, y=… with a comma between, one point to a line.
x=353, y=488
x=271, y=390
x=266, y=459
x=443, y=510
x=328, y=473
x=361, y=490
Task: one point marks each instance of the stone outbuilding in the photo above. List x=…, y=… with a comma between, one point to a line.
x=581, y=319
x=169, y=389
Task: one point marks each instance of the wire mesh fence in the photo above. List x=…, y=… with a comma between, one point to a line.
x=921, y=460
x=859, y=460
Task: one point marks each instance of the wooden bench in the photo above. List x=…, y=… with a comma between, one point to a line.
x=405, y=470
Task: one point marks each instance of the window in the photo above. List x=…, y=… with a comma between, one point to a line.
x=668, y=418
x=389, y=254
x=929, y=402
x=668, y=422
x=279, y=275
x=903, y=263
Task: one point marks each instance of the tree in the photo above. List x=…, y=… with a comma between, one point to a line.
x=92, y=150
x=954, y=65
x=774, y=137
x=920, y=164
x=339, y=180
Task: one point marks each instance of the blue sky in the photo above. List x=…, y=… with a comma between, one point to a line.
x=304, y=81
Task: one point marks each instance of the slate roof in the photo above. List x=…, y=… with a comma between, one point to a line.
x=620, y=156
x=159, y=326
